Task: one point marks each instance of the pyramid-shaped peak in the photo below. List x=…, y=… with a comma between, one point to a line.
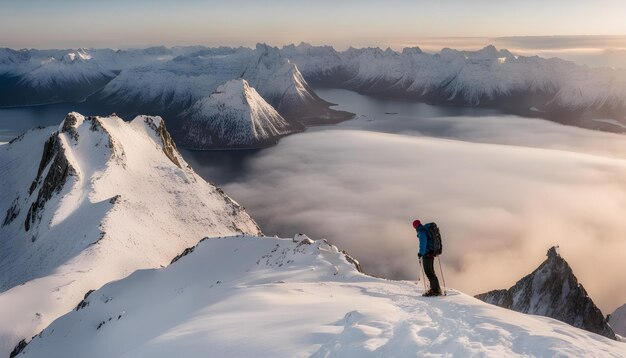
x=553, y=252
x=552, y=290
x=238, y=85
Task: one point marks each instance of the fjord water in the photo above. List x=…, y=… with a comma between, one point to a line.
x=502, y=188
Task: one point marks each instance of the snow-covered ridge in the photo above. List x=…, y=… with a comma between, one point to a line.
x=91, y=201
x=235, y=115
x=249, y=296
x=552, y=290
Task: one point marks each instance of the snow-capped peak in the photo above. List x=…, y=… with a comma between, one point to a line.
x=75, y=56
x=91, y=201
x=235, y=115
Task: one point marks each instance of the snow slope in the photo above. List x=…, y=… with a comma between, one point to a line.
x=552, y=290
x=90, y=202
x=260, y=296
x=617, y=320
x=235, y=115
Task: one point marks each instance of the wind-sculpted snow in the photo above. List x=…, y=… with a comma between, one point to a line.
x=234, y=115
x=488, y=77
x=260, y=296
x=90, y=202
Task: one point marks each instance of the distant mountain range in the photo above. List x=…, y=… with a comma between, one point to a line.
x=170, y=81
x=167, y=82
x=551, y=88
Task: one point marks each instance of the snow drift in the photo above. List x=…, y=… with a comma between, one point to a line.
x=90, y=202
x=259, y=296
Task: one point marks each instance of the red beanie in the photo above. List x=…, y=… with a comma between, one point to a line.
x=416, y=223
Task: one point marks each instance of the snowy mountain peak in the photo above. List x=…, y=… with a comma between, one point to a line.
x=90, y=201
x=412, y=50
x=552, y=290
x=235, y=88
x=11, y=59
x=76, y=56
x=553, y=252
x=235, y=115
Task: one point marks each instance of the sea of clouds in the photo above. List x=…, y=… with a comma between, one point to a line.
x=502, y=189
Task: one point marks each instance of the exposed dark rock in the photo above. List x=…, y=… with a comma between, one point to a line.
x=17, y=139
x=96, y=125
x=12, y=212
x=84, y=303
x=115, y=199
x=185, y=252
x=353, y=261
x=169, y=148
x=18, y=349
x=552, y=290
x=69, y=126
x=55, y=179
x=50, y=148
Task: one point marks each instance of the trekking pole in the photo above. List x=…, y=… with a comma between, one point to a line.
x=422, y=273
x=442, y=278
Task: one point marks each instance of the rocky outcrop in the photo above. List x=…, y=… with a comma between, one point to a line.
x=169, y=147
x=552, y=290
x=58, y=170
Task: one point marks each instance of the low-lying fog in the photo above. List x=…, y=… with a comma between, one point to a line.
x=503, y=189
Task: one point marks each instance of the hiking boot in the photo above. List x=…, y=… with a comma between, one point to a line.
x=431, y=293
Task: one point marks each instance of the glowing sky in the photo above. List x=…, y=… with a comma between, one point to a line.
x=117, y=23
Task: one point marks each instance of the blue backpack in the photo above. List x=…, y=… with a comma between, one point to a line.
x=433, y=241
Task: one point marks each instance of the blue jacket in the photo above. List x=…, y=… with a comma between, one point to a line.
x=423, y=239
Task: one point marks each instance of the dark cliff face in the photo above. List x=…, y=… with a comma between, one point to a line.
x=59, y=169
x=552, y=290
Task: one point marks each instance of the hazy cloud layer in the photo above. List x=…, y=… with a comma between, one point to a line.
x=500, y=207
x=596, y=51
